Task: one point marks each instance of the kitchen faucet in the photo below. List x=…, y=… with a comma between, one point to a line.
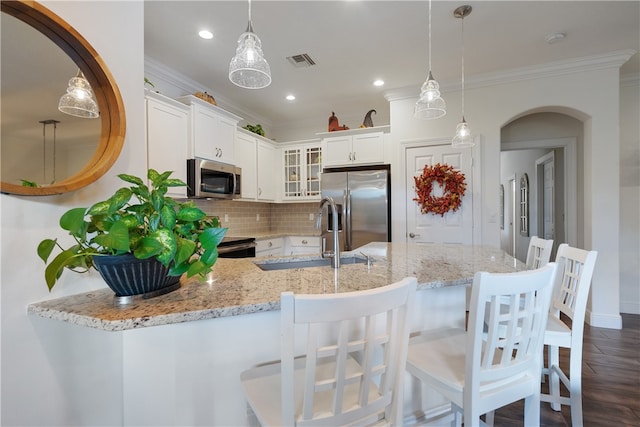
x=335, y=254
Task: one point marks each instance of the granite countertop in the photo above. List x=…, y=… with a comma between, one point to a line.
x=240, y=287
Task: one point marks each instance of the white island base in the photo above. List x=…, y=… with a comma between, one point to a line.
x=188, y=374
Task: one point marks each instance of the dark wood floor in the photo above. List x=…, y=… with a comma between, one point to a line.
x=610, y=381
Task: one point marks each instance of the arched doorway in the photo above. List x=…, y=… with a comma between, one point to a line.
x=545, y=150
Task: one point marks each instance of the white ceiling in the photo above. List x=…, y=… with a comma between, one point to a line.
x=355, y=42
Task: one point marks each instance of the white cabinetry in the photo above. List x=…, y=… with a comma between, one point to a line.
x=269, y=247
x=353, y=147
x=246, y=159
x=167, y=131
x=297, y=245
x=267, y=171
x=212, y=131
x=302, y=164
x=258, y=159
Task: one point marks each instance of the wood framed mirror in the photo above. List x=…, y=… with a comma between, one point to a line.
x=111, y=121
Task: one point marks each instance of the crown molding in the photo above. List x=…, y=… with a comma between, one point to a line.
x=190, y=86
x=552, y=69
x=630, y=80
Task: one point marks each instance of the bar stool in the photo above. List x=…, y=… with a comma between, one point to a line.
x=352, y=368
x=480, y=371
x=571, y=291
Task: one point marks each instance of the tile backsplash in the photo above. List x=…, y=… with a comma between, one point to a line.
x=248, y=218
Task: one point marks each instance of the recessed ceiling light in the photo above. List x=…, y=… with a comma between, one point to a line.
x=205, y=34
x=552, y=38
x=378, y=82
x=290, y=97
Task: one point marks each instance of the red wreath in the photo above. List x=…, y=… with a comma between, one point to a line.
x=453, y=183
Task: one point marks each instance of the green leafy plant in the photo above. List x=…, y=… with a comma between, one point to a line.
x=27, y=183
x=255, y=129
x=142, y=221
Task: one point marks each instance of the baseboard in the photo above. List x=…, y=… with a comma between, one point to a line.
x=604, y=320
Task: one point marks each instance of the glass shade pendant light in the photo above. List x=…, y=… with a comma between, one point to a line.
x=248, y=69
x=430, y=105
x=463, y=137
x=79, y=100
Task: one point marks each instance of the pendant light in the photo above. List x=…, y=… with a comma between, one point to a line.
x=430, y=105
x=248, y=69
x=79, y=100
x=463, y=137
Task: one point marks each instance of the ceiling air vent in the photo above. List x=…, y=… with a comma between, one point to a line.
x=302, y=60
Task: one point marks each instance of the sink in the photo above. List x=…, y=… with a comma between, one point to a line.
x=318, y=262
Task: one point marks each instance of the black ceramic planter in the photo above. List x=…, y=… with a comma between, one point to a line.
x=128, y=276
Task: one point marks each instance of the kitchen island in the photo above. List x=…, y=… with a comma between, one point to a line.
x=239, y=286
x=182, y=353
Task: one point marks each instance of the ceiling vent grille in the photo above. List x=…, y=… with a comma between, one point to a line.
x=301, y=60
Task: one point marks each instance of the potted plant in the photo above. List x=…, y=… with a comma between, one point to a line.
x=137, y=225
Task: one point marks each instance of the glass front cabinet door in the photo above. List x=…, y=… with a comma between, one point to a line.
x=302, y=167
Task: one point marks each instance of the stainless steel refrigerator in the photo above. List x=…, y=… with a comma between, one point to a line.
x=363, y=199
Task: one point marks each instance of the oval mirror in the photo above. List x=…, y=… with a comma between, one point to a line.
x=43, y=150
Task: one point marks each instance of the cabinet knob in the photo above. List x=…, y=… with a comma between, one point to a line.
x=349, y=156
x=413, y=235
x=270, y=244
x=354, y=155
x=304, y=242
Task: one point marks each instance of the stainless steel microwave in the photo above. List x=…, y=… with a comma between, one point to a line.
x=207, y=179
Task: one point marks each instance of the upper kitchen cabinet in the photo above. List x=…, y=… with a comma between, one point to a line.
x=302, y=164
x=212, y=131
x=246, y=159
x=267, y=171
x=167, y=131
x=353, y=147
x=256, y=156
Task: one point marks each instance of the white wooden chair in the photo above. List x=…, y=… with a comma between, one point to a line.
x=479, y=372
x=539, y=252
x=538, y=255
x=352, y=368
x=570, y=294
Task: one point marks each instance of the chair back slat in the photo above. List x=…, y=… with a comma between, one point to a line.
x=539, y=252
x=511, y=346
x=352, y=372
x=571, y=291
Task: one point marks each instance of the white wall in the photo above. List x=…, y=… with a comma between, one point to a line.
x=489, y=107
x=630, y=195
x=53, y=373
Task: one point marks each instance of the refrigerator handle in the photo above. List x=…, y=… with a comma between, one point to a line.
x=347, y=220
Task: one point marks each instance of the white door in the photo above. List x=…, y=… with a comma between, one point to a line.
x=547, y=208
x=512, y=216
x=453, y=227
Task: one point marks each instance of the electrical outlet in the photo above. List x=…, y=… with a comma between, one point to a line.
x=226, y=217
x=257, y=217
x=310, y=217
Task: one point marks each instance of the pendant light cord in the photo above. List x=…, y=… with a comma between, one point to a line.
x=44, y=148
x=55, y=126
x=462, y=19
x=44, y=151
x=429, y=36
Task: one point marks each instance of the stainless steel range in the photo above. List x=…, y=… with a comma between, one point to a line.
x=237, y=247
